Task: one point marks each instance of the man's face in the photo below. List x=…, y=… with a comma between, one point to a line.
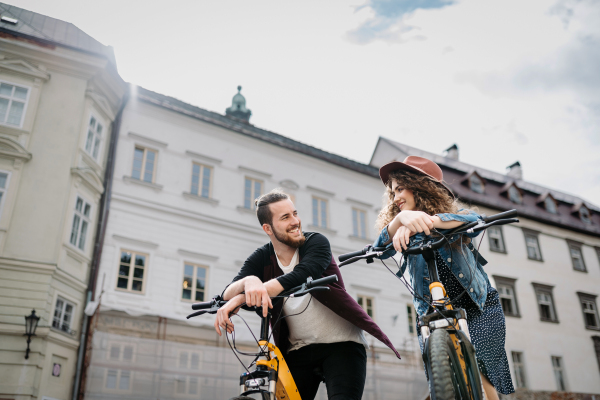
x=286, y=225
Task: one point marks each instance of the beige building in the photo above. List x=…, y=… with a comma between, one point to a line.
x=59, y=96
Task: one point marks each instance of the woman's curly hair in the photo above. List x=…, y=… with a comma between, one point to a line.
x=430, y=197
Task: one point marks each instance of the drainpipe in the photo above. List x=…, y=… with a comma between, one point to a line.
x=86, y=333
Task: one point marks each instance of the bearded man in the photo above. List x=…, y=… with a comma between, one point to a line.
x=323, y=339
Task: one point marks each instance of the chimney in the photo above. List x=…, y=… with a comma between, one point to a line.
x=452, y=152
x=515, y=171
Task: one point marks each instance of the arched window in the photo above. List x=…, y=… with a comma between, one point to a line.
x=476, y=184
x=515, y=195
x=550, y=205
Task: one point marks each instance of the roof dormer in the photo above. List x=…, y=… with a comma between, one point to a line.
x=548, y=202
x=475, y=182
x=513, y=192
x=583, y=213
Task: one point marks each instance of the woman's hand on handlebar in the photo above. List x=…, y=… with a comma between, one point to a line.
x=416, y=221
x=232, y=307
x=402, y=238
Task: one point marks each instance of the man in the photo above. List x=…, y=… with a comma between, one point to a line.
x=323, y=339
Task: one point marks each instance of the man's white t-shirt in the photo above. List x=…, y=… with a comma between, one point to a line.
x=317, y=324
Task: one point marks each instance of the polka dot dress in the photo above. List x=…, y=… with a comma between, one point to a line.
x=487, y=328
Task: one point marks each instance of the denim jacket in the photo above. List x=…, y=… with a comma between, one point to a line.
x=463, y=261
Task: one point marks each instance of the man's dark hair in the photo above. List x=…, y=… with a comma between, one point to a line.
x=263, y=211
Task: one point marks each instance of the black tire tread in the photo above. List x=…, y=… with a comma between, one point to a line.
x=441, y=369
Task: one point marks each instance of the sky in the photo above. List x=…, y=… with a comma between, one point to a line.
x=506, y=80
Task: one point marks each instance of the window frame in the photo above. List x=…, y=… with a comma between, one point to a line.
x=533, y=235
x=551, y=199
x=576, y=246
x=82, y=218
x=29, y=88
x=188, y=366
x=410, y=315
x=4, y=191
x=591, y=298
x=118, y=380
x=514, y=187
x=200, y=183
x=253, y=195
x=540, y=288
x=522, y=377
x=492, y=248
x=101, y=122
x=131, y=272
x=185, y=380
x=195, y=266
x=319, y=212
x=511, y=283
x=145, y=149
x=359, y=230
x=59, y=328
x=364, y=305
x=121, y=346
x=472, y=176
x=561, y=370
x=588, y=215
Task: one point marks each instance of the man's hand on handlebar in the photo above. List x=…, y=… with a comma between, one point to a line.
x=222, y=320
x=257, y=294
x=401, y=238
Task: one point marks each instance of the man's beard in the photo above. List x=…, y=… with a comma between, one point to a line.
x=285, y=238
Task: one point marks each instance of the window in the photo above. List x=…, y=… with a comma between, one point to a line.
x=12, y=104
x=201, y=175
x=3, y=186
x=132, y=270
x=144, y=164
x=559, y=373
x=63, y=314
x=117, y=379
x=411, y=323
x=514, y=195
x=507, y=293
x=584, y=214
x=576, y=256
x=253, y=189
x=545, y=302
x=319, y=212
x=189, y=360
x=519, y=368
x=94, y=137
x=194, y=282
x=366, y=303
x=81, y=221
x=496, y=239
x=550, y=205
x=476, y=184
x=533, y=245
x=590, y=311
x=120, y=352
x=359, y=223
x=186, y=385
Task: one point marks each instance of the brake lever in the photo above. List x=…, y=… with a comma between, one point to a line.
x=196, y=314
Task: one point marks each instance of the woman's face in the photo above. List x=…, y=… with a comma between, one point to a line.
x=403, y=198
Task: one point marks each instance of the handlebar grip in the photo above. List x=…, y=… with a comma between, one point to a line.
x=348, y=256
x=503, y=215
x=322, y=281
x=202, y=306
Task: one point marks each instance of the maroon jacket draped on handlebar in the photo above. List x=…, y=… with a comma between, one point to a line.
x=316, y=261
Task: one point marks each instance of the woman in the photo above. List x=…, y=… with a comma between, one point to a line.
x=418, y=203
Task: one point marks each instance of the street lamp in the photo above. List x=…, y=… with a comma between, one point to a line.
x=31, y=322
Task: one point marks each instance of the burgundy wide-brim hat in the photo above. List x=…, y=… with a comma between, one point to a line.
x=415, y=164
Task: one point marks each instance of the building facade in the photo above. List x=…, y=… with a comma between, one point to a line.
x=59, y=96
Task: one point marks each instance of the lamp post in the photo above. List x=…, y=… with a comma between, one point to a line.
x=31, y=322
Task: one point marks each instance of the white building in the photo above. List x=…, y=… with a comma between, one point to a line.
x=184, y=183
x=59, y=96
